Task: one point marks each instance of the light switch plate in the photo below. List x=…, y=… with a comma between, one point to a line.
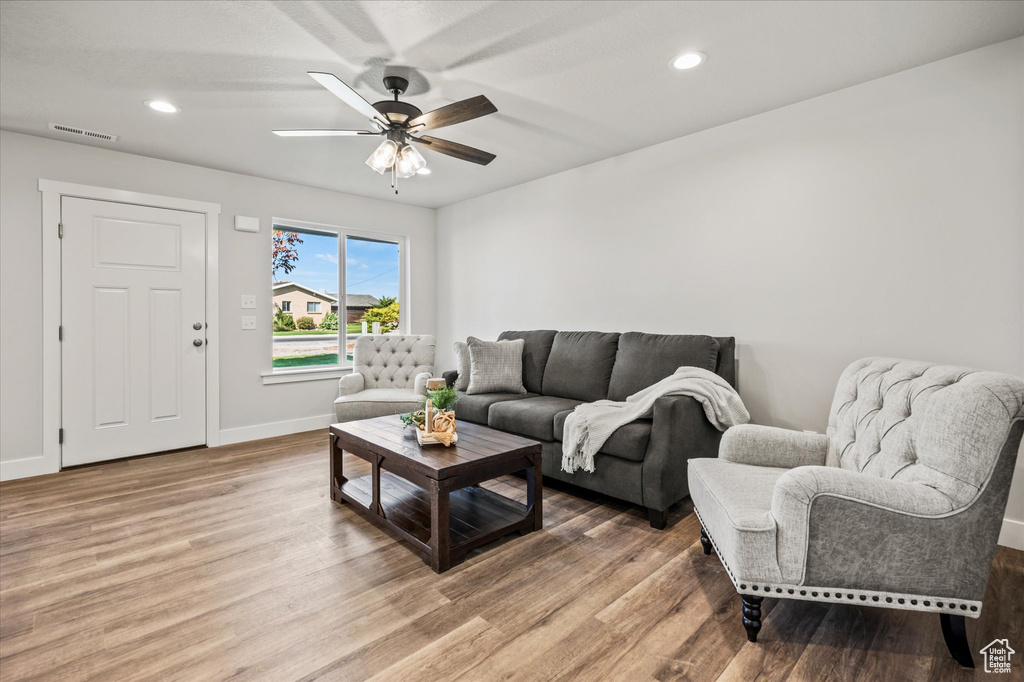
x=248, y=321
x=248, y=301
x=244, y=223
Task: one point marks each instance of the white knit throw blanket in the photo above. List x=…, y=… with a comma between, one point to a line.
x=591, y=424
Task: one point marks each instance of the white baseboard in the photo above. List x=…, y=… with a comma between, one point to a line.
x=257, y=431
x=1012, y=534
x=23, y=468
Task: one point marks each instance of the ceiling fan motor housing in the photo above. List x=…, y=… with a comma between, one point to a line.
x=393, y=110
x=397, y=112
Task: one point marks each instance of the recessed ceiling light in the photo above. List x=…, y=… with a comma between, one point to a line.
x=688, y=60
x=161, y=106
x=423, y=171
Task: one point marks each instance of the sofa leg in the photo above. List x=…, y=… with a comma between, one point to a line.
x=658, y=519
x=954, y=631
x=751, y=615
x=705, y=541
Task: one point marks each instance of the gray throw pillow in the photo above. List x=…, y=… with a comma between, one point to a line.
x=495, y=366
x=462, y=365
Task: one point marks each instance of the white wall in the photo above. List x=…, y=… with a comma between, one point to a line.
x=884, y=219
x=244, y=269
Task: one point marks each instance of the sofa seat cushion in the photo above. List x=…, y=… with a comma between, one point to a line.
x=382, y=395
x=645, y=359
x=627, y=442
x=376, y=402
x=532, y=417
x=474, y=408
x=734, y=502
x=580, y=365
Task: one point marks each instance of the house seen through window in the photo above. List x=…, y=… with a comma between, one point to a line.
x=307, y=266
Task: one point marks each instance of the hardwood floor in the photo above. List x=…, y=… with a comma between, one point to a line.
x=233, y=562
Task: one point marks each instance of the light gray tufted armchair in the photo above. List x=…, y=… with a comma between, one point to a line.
x=899, y=505
x=389, y=377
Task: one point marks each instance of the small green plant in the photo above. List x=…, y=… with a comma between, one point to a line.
x=283, y=322
x=385, y=301
x=330, y=322
x=443, y=399
x=305, y=323
x=416, y=419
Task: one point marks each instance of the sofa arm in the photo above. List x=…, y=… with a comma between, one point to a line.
x=680, y=431
x=419, y=383
x=450, y=377
x=828, y=507
x=773, y=447
x=350, y=383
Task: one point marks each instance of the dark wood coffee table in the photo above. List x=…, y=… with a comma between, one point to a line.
x=429, y=495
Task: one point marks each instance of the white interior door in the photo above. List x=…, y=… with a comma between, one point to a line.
x=133, y=367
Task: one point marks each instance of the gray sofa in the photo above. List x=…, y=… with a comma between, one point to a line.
x=644, y=462
x=898, y=505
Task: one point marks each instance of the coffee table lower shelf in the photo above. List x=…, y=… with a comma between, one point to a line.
x=476, y=515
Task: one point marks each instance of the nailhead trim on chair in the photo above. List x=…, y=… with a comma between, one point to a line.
x=892, y=600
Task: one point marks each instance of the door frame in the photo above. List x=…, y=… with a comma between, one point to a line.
x=52, y=192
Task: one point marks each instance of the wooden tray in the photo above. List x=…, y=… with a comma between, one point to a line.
x=429, y=440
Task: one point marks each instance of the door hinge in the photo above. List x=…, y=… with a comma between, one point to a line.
x=60, y=333
x=60, y=230
x=60, y=436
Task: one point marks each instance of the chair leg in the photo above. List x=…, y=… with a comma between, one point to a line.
x=658, y=519
x=954, y=631
x=705, y=541
x=751, y=615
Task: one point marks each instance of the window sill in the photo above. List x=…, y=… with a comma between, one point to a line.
x=288, y=376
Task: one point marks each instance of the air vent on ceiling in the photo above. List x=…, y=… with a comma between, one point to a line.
x=72, y=130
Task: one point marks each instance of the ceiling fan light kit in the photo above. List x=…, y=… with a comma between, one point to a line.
x=383, y=157
x=410, y=162
x=401, y=124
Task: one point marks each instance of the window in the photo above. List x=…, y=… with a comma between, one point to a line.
x=309, y=261
x=372, y=284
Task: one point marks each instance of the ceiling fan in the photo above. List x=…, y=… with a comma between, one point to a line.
x=401, y=123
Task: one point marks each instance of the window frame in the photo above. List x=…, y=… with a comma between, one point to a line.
x=315, y=305
x=344, y=366
x=286, y=306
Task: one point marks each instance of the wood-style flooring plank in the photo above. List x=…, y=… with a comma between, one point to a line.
x=233, y=563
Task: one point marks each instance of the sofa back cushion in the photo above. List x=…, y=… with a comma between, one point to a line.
x=580, y=365
x=393, y=360
x=645, y=359
x=918, y=422
x=535, y=355
x=726, y=365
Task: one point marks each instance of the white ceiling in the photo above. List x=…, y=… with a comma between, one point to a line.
x=574, y=82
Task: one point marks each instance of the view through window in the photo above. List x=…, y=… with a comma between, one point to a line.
x=372, y=280
x=310, y=321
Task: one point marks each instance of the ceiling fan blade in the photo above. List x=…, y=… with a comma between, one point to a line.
x=459, y=151
x=349, y=96
x=322, y=133
x=453, y=113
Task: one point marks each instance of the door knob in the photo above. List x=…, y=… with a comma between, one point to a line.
x=197, y=342
x=197, y=326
